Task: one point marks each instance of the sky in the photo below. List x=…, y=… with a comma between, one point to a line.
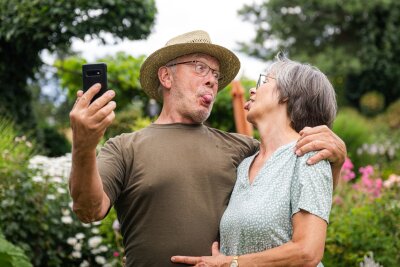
x=218, y=17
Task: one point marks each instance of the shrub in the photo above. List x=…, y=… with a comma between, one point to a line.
x=36, y=209
x=11, y=255
x=371, y=103
x=126, y=120
x=355, y=131
x=365, y=219
x=392, y=115
x=55, y=144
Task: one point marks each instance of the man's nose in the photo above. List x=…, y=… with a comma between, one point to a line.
x=211, y=80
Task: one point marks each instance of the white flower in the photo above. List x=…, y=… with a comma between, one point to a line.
x=100, y=259
x=51, y=197
x=37, y=179
x=95, y=231
x=96, y=223
x=65, y=212
x=66, y=219
x=84, y=263
x=77, y=254
x=95, y=251
x=61, y=190
x=78, y=247
x=369, y=261
x=103, y=248
x=116, y=226
x=72, y=241
x=56, y=180
x=86, y=225
x=80, y=235
x=94, y=241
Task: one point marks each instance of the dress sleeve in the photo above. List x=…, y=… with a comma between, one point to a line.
x=311, y=188
x=111, y=167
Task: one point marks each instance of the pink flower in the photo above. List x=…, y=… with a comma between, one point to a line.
x=348, y=165
x=116, y=254
x=367, y=182
x=347, y=170
x=338, y=200
x=367, y=170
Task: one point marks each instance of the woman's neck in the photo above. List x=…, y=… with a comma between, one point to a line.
x=274, y=134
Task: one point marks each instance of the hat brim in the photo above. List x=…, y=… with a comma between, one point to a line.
x=229, y=64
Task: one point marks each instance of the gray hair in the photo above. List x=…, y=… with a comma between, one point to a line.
x=309, y=95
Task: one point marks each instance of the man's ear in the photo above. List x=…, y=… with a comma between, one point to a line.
x=165, y=77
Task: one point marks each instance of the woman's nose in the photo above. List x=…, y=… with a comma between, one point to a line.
x=252, y=91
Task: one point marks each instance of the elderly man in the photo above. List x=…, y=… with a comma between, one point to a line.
x=171, y=181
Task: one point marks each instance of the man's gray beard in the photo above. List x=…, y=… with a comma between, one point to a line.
x=201, y=116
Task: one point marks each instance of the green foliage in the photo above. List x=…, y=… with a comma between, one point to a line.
x=15, y=150
x=122, y=73
x=222, y=113
x=12, y=256
x=127, y=120
x=55, y=143
x=28, y=27
x=359, y=224
x=392, y=115
x=36, y=210
x=355, y=131
x=355, y=40
x=372, y=103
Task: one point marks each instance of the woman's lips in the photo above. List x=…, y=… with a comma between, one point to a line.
x=248, y=104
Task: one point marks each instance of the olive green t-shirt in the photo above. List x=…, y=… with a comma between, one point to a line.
x=170, y=184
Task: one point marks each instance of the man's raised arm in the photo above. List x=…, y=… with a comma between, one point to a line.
x=88, y=123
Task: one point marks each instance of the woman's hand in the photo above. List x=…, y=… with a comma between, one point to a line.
x=216, y=260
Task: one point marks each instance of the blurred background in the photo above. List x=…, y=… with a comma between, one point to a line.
x=43, y=44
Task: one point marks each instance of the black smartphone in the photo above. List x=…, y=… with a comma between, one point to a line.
x=94, y=73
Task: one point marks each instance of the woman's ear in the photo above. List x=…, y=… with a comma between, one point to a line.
x=165, y=77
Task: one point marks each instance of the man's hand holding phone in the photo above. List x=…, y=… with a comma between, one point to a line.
x=89, y=120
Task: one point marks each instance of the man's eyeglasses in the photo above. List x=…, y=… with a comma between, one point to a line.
x=201, y=68
x=262, y=81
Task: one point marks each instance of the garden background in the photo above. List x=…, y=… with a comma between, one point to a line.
x=355, y=42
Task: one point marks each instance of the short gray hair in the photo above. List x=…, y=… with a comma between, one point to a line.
x=309, y=95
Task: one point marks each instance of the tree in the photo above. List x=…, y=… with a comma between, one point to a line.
x=355, y=42
x=122, y=75
x=28, y=27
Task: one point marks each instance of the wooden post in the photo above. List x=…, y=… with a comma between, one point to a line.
x=238, y=101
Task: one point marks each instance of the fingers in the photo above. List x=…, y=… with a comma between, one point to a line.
x=100, y=102
x=215, y=249
x=85, y=98
x=321, y=139
x=321, y=155
x=314, y=130
x=107, y=120
x=104, y=111
x=186, y=260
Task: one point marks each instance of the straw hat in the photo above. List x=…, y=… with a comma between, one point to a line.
x=188, y=43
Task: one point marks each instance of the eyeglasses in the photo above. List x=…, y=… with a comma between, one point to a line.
x=260, y=81
x=201, y=68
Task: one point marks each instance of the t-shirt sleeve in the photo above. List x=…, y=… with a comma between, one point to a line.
x=111, y=167
x=312, y=187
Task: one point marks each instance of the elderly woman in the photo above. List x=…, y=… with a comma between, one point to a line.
x=279, y=208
